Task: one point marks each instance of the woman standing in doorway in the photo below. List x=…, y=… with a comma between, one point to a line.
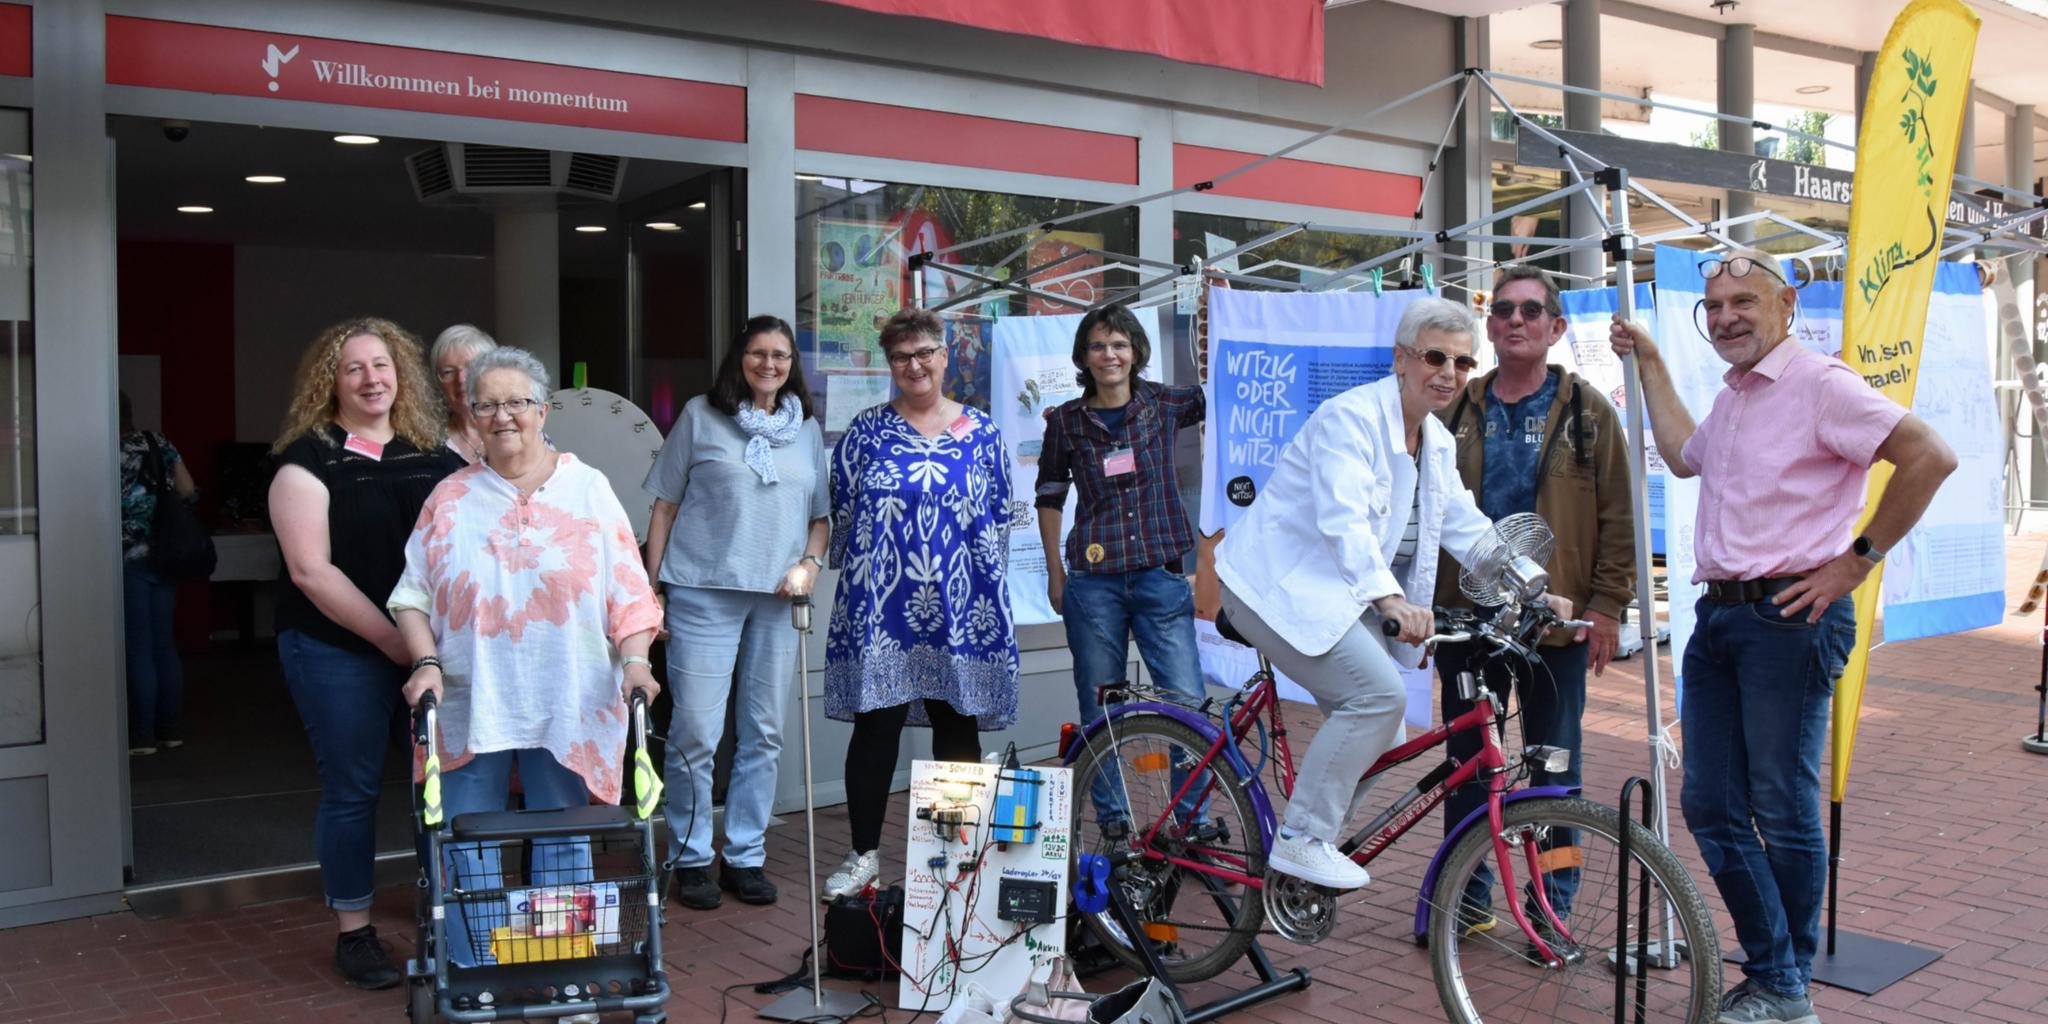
x=921, y=631
x=739, y=527
x=360, y=451
x=450, y=357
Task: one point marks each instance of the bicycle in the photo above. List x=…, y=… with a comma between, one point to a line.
x=1201, y=822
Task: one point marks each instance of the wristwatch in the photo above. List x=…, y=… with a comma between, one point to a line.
x=814, y=560
x=1865, y=549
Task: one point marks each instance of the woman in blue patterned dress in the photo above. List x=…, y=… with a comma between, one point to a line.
x=921, y=630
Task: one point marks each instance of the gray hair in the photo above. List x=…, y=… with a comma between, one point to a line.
x=459, y=338
x=1428, y=313
x=505, y=357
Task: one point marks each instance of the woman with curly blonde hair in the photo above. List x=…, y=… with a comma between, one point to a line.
x=360, y=451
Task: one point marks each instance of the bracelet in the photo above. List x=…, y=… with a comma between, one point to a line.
x=420, y=663
x=635, y=659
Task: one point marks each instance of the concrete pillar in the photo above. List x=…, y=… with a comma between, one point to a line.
x=768, y=227
x=526, y=261
x=2020, y=175
x=1865, y=68
x=1738, y=97
x=1582, y=113
x=1966, y=152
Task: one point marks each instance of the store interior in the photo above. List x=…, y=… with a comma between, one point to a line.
x=237, y=244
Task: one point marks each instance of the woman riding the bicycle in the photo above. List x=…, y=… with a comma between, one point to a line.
x=1347, y=527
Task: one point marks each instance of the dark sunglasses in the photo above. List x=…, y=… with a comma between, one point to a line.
x=1530, y=309
x=1435, y=358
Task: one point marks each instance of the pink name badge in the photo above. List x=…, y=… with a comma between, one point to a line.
x=1119, y=462
x=365, y=447
x=961, y=428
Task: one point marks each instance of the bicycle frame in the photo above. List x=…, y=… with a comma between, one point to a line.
x=1262, y=697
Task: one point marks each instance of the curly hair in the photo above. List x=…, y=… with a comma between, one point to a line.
x=415, y=411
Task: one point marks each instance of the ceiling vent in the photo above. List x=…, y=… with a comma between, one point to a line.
x=453, y=170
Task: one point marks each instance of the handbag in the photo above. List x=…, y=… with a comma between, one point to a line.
x=1140, y=1002
x=180, y=547
x=1052, y=994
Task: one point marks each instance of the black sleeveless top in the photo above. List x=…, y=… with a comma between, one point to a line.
x=372, y=505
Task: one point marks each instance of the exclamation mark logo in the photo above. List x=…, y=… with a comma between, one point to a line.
x=275, y=60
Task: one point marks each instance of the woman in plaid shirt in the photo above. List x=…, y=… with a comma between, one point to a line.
x=1121, y=571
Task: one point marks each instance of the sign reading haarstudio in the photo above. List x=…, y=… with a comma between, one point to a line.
x=241, y=62
x=1714, y=168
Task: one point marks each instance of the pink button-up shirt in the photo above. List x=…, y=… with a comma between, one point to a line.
x=1782, y=459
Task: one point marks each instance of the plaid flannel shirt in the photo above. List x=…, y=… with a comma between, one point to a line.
x=1134, y=520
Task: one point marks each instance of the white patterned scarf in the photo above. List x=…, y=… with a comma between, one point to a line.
x=768, y=431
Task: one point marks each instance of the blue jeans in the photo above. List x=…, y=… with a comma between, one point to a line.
x=484, y=784
x=351, y=704
x=1552, y=704
x=709, y=632
x=1102, y=611
x=1755, y=714
x=156, y=678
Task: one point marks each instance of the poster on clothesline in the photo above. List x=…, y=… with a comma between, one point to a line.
x=1274, y=358
x=1589, y=312
x=1948, y=575
x=1032, y=371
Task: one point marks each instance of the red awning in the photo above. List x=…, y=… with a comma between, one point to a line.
x=1279, y=38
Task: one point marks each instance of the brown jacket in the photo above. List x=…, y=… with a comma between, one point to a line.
x=1582, y=491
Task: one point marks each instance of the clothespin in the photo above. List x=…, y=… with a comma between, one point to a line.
x=1429, y=277
x=1378, y=276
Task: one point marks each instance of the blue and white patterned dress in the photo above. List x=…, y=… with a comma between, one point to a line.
x=921, y=538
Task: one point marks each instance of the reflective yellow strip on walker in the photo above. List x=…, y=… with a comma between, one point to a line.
x=430, y=792
x=646, y=783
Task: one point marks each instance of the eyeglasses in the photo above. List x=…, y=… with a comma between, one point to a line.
x=1737, y=266
x=1435, y=358
x=772, y=355
x=1530, y=309
x=923, y=355
x=512, y=407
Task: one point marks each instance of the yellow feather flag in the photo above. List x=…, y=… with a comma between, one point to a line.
x=1905, y=160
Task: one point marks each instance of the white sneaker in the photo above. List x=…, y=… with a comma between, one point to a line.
x=855, y=873
x=1313, y=860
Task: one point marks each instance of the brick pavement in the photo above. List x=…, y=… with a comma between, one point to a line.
x=1943, y=841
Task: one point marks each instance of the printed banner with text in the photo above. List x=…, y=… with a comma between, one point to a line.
x=1033, y=371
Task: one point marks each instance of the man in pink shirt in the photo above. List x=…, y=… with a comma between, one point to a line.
x=1782, y=459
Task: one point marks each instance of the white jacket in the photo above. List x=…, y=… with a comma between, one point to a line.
x=1311, y=554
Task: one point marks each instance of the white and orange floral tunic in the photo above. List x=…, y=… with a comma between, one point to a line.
x=529, y=598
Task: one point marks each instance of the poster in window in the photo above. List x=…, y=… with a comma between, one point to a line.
x=967, y=361
x=1078, y=278
x=860, y=286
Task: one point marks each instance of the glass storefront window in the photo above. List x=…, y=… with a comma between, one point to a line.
x=21, y=676
x=854, y=239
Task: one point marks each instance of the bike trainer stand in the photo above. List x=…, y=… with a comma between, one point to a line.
x=1271, y=984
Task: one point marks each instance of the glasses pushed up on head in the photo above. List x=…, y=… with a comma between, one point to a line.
x=1435, y=358
x=1738, y=266
x=512, y=407
x=924, y=356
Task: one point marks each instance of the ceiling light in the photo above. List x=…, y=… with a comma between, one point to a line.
x=195, y=209
x=357, y=140
x=265, y=179
x=1811, y=90
x=697, y=205
x=665, y=225
x=809, y=177
x=1547, y=44
x=590, y=229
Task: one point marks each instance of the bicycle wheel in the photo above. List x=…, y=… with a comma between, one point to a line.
x=1199, y=923
x=1492, y=976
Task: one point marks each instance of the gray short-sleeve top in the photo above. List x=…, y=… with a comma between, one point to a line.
x=733, y=531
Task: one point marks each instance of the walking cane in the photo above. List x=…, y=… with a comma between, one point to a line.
x=823, y=1003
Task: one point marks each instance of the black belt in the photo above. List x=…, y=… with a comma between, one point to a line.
x=1745, y=591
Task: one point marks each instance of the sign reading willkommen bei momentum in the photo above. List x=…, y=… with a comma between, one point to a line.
x=273, y=65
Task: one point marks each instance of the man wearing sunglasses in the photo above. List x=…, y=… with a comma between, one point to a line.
x=1782, y=459
x=1533, y=436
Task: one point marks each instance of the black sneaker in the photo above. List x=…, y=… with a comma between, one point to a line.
x=693, y=889
x=362, y=961
x=748, y=885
